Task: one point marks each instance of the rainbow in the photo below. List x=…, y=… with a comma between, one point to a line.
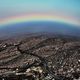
x=38, y=17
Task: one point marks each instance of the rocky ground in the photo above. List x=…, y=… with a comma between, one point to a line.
x=40, y=57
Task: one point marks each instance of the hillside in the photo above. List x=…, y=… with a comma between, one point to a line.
x=44, y=56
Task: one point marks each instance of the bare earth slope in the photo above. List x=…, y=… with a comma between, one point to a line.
x=54, y=56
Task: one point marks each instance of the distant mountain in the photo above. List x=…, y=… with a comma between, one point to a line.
x=37, y=27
